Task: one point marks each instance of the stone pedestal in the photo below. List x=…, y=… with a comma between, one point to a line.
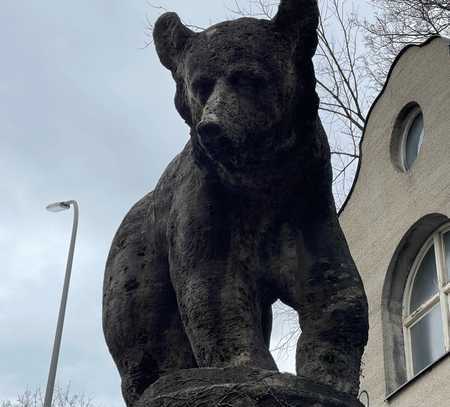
x=240, y=387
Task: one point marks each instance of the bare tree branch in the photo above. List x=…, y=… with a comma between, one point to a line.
x=397, y=24
x=63, y=397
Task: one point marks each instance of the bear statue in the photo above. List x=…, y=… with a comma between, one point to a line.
x=242, y=217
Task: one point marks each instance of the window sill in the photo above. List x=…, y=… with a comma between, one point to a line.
x=430, y=367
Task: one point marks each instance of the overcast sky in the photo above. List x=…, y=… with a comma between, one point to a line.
x=85, y=114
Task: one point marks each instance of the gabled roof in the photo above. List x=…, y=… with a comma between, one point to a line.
x=388, y=78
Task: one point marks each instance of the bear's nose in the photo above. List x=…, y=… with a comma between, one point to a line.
x=208, y=129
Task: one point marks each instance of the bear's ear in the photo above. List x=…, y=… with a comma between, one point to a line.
x=170, y=36
x=299, y=20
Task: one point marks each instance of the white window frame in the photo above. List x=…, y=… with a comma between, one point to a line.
x=441, y=298
x=406, y=127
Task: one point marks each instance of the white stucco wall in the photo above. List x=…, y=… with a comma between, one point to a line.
x=386, y=202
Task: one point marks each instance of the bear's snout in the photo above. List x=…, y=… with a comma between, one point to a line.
x=214, y=139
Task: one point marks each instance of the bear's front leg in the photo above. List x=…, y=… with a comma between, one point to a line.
x=221, y=316
x=333, y=306
x=216, y=285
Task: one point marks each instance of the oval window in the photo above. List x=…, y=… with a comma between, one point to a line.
x=413, y=134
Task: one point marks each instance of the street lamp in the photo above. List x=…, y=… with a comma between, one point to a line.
x=57, y=207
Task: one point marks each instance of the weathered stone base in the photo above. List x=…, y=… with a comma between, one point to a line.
x=240, y=387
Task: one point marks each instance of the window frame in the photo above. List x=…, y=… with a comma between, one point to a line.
x=442, y=297
x=406, y=125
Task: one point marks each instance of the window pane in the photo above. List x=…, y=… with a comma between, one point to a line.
x=414, y=140
x=425, y=284
x=447, y=253
x=427, y=342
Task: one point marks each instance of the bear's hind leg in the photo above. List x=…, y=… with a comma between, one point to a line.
x=144, y=332
x=165, y=351
x=141, y=321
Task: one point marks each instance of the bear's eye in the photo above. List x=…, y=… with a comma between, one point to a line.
x=203, y=88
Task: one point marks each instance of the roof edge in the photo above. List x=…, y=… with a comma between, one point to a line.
x=372, y=106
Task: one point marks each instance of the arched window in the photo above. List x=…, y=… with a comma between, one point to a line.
x=426, y=304
x=415, y=302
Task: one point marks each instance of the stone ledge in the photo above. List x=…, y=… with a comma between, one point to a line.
x=240, y=387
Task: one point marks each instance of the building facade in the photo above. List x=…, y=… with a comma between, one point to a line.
x=397, y=223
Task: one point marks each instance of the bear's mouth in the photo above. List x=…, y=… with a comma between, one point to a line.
x=251, y=153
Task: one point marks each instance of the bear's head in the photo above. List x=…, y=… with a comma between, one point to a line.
x=245, y=87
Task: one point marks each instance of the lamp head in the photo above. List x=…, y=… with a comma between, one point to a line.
x=58, y=206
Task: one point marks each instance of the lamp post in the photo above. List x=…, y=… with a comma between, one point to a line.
x=57, y=207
